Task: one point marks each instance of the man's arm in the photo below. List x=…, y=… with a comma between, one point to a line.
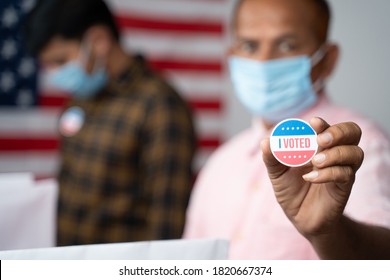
x=349, y=239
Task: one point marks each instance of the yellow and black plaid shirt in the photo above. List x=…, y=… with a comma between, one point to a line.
x=126, y=175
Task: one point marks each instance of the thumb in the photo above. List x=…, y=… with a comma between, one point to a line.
x=274, y=167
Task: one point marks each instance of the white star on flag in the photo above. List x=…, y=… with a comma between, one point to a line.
x=27, y=5
x=10, y=17
x=26, y=67
x=9, y=49
x=25, y=98
x=7, y=81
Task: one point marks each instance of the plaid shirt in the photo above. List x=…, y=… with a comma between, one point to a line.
x=126, y=175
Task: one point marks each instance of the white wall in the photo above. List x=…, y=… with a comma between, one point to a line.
x=362, y=80
x=362, y=77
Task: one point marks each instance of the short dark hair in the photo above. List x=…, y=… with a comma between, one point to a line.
x=69, y=19
x=323, y=8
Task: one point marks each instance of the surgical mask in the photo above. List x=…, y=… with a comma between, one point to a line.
x=73, y=78
x=276, y=89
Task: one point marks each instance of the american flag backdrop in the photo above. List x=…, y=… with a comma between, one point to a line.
x=183, y=39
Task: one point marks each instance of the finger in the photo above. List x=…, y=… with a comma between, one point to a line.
x=339, y=156
x=343, y=176
x=318, y=124
x=347, y=133
x=274, y=167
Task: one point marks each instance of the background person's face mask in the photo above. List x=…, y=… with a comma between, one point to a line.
x=73, y=78
x=276, y=89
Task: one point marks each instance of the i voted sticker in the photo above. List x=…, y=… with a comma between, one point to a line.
x=71, y=121
x=293, y=142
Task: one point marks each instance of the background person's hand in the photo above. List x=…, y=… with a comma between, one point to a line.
x=314, y=196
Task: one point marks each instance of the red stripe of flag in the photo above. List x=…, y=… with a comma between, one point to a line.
x=48, y=100
x=28, y=144
x=200, y=105
x=211, y=143
x=169, y=64
x=43, y=176
x=143, y=22
x=182, y=65
x=54, y=101
x=50, y=144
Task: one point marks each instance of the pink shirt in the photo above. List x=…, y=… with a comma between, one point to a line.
x=233, y=197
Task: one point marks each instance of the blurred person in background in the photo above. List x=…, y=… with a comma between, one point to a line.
x=315, y=207
x=279, y=62
x=127, y=136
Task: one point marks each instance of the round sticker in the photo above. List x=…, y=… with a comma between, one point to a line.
x=71, y=121
x=293, y=142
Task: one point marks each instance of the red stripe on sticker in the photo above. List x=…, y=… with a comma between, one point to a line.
x=294, y=158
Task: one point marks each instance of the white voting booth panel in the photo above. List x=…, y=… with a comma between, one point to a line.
x=27, y=230
x=27, y=211
x=207, y=249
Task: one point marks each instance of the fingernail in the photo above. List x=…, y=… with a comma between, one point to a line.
x=326, y=138
x=320, y=158
x=310, y=176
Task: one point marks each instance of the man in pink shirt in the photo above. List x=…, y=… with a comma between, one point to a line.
x=279, y=63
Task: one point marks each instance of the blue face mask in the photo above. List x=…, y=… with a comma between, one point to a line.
x=73, y=78
x=276, y=89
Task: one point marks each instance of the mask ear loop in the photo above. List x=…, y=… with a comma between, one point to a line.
x=318, y=55
x=318, y=85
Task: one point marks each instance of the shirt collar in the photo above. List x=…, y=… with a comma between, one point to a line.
x=317, y=109
x=258, y=132
x=135, y=68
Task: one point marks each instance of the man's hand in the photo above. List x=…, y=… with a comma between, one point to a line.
x=314, y=196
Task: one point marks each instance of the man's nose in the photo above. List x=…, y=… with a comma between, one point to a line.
x=265, y=53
